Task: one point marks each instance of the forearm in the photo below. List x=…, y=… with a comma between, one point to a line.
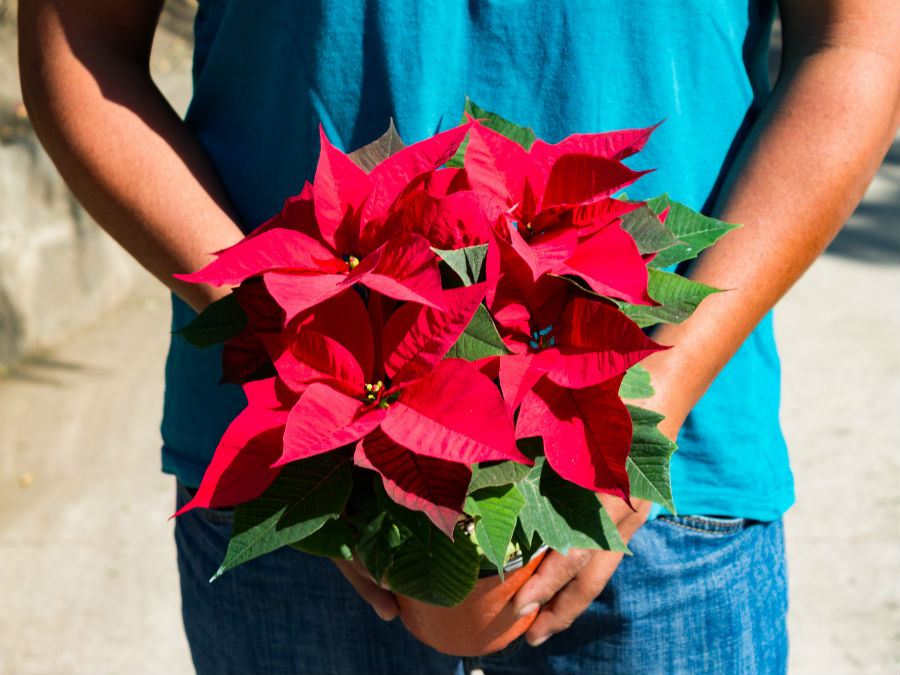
x=123, y=151
x=803, y=169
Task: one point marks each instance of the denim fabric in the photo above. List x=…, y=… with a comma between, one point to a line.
x=700, y=595
x=285, y=612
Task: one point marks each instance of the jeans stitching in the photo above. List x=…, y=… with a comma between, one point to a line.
x=724, y=524
x=717, y=528
x=695, y=529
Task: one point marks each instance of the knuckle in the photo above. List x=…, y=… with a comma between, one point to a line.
x=557, y=623
x=579, y=558
x=564, y=623
x=537, y=590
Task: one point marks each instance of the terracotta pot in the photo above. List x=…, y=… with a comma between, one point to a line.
x=482, y=623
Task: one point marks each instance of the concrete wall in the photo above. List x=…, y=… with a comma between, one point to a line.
x=58, y=270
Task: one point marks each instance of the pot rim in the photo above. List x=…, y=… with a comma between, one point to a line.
x=514, y=563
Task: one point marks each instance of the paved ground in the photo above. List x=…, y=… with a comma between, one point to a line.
x=87, y=576
x=87, y=572
x=838, y=334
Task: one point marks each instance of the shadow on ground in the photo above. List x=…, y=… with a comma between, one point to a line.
x=873, y=232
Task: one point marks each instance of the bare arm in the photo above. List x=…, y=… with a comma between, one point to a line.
x=802, y=171
x=123, y=151
x=806, y=165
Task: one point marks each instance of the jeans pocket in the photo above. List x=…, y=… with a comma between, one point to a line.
x=217, y=516
x=711, y=525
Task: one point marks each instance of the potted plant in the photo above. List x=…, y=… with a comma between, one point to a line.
x=435, y=342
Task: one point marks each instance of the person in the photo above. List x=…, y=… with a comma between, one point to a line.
x=705, y=591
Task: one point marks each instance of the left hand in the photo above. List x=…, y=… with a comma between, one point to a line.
x=563, y=586
x=378, y=596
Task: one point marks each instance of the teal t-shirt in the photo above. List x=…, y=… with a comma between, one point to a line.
x=266, y=74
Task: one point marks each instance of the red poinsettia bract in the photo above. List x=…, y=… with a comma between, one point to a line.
x=419, y=419
x=569, y=355
x=343, y=230
x=561, y=218
x=351, y=312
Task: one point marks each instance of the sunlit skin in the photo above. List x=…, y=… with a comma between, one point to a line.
x=802, y=170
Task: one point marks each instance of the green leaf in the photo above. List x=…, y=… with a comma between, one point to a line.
x=498, y=508
x=524, y=136
x=636, y=383
x=528, y=545
x=565, y=515
x=648, y=233
x=531, y=446
x=415, y=523
x=493, y=475
x=467, y=262
x=333, y=540
x=678, y=298
x=218, y=323
x=439, y=571
x=479, y=339
x=695, y=231
x=377, y=534
x=648, y=460
x=306, y=494
x=371, y=155
x=376, y=542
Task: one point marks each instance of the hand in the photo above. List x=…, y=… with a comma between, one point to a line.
x=382, y=600
x=563, y=586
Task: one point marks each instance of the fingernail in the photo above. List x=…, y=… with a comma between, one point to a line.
x=539, y=641
x=380, y=615
x=528, y=609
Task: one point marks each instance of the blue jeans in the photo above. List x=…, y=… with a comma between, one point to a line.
x=699, y=595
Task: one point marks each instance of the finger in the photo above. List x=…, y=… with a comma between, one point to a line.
x=574, y=598
x=554, y=572
x=382, y=601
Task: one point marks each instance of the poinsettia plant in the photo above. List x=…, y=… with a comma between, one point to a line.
x=435, y=342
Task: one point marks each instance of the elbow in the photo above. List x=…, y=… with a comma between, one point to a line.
x=37, y=72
